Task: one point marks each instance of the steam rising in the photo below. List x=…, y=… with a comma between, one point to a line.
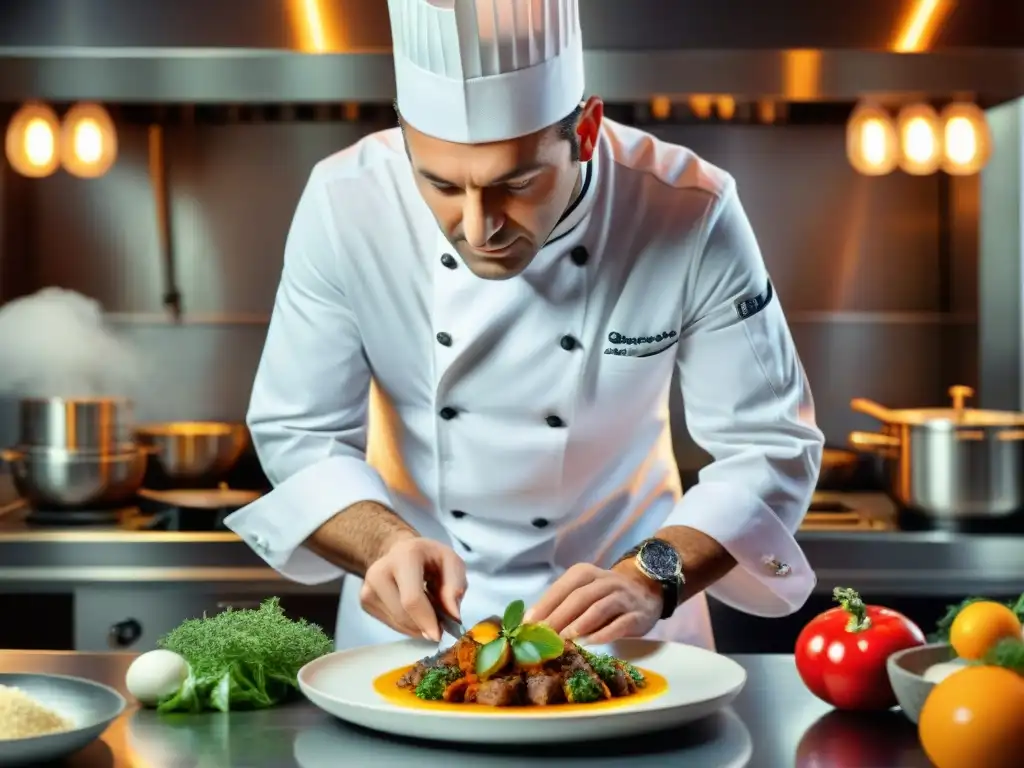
x=55, y=343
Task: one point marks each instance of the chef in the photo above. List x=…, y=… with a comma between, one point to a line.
x=466, y=375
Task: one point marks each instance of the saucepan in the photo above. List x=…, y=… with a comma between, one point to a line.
x=195, y=452
x=102, y=424
x=949, y=463
x=59, y=478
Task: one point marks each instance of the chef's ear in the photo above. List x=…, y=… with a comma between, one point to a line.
x=589, y=127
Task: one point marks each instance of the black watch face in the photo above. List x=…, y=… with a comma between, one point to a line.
x=661, y=559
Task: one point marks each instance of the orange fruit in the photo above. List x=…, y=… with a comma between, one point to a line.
x=975, y=718
x=979, y=626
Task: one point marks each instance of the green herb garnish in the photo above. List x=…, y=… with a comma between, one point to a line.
x=1008, y=653
x=434, y=683
x=245, y=659
x=941, y=634
x=530, y=644
x=606, y=666
x=582, y=688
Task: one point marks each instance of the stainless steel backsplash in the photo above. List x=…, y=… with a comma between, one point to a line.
x=875, y=307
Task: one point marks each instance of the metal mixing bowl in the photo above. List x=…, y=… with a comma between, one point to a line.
x=57, y=478
x=191, y=451
x=89, y=706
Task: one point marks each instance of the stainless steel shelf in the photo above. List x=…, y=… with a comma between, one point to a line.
x=916, y=564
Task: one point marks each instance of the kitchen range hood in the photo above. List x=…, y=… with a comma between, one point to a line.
x=310, y=51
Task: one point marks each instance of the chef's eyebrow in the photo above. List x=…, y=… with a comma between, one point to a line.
x=515, y=173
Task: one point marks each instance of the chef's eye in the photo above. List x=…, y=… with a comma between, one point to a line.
x=440, y=186
x=519, y=186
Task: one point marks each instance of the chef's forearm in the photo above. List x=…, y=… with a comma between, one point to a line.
x=358, y=535
x=705, y=561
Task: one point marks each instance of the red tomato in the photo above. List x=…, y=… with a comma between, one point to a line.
x=841, y=654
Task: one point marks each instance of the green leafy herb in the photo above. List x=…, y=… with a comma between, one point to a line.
x=941, y=634
x=582, y=688
x=246, y=659
x=434, y=683
x=1008, y=653
x=606, y=665
x=492, y=657
x=526, y=653
x=513, y=616
x=549, y=644
x=530, y=644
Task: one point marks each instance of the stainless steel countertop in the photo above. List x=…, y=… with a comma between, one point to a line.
x=775, y=722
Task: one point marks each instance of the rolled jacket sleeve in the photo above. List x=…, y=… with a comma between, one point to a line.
x=308, y=410
x=748, y=404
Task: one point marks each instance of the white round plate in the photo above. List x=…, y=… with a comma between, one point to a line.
x=700, y=683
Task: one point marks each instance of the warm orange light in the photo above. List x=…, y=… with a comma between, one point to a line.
x=700, y=105
x=966, y=139
x=31, y=141
x=920, y=140
x=88, y=141
x=661, y=108
x=872, y=145
x=726, y=107
x=922, y=24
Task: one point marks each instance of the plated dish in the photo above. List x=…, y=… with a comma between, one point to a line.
x=361, y=687
x=506, y=663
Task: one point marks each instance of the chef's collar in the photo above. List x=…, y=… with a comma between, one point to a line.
x=581, y=206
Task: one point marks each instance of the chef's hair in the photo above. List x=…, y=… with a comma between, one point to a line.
x=565, y=128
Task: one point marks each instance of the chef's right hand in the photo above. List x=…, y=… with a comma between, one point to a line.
x=393, y=586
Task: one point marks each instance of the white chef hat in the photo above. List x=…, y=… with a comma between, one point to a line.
x=473, y=71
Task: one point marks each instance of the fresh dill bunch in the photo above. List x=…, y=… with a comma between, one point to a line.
x=246, y=658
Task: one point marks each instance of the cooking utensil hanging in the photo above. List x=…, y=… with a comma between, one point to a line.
x=949, y=463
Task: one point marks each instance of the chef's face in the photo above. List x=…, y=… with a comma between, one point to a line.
x=497, y=203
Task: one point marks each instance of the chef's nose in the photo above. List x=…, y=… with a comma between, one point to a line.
x=480, y=221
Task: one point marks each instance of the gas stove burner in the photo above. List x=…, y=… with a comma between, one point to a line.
x=80, y=517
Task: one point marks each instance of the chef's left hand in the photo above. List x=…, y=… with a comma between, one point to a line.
x=600, y=605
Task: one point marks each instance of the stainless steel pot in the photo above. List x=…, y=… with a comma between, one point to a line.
x=949, y=463
x=56, y=478
x=191, y=451
x=101, y=424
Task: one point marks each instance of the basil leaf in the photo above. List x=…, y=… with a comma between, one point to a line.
x=491, y=658
x=548, y=643
x=513, y=615
x=526, y=652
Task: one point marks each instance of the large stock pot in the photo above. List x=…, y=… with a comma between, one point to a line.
x=949, y=463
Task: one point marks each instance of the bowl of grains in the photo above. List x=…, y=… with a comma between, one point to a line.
x=50, y=717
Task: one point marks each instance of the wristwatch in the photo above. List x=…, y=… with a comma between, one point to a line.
x=660, y=561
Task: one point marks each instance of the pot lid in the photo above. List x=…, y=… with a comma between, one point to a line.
x=956, y=416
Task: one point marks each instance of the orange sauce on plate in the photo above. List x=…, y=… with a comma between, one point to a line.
x=387, y=688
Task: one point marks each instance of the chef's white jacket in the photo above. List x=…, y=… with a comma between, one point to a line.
x=525, y=422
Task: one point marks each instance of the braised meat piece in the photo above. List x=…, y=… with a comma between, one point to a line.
x=544, y=687
x=501, y=691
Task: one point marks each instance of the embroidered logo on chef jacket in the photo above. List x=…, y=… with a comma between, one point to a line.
x=640, y=346
x=746, y=308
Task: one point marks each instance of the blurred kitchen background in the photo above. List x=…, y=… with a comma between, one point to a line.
x=211, y=113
